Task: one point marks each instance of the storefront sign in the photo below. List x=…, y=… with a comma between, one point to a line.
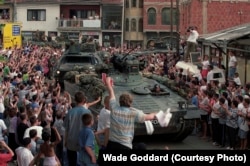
x=16, y=30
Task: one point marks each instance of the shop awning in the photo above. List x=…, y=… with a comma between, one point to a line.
x=226, y=35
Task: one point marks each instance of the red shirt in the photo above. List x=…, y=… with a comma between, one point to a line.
x=5, y=158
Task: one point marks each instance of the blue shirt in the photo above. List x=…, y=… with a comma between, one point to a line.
x=86, y=138
x=73, y=126
x=195, y=101
x=34, y=105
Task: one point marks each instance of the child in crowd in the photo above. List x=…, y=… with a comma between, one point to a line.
x=222, y=121
x=243, y=124
x=231, y=124
x=86, y=142
x=61, y=130
x=204, y=106
x=33, y=137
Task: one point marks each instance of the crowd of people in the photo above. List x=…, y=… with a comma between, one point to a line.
x=40, y=124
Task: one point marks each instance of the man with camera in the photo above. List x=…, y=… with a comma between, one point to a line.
x=191, y=42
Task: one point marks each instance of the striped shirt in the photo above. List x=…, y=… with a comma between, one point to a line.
x=122, y=120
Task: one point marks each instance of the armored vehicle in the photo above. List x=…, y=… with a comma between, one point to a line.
x=127, y=78
x=78, y=58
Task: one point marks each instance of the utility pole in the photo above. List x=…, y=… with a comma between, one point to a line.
x=177, y=17
x=123, y=23
x=171, y=25
x=14, y=11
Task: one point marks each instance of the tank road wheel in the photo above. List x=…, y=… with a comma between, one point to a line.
x=186, y=129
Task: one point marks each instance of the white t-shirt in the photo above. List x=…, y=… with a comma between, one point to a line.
x=209, y=76
x=193, y=36
x=215, y=106
x=240, y=106
x=103, y=122
x=232, y=61
x=104, y=119
x=9, y=53
x=24, y=156
x=205, y=64
x=2, y=107
x=39, y=130
x=2, y=128
x=12, y=74
x=237, y=81
x=203, y=87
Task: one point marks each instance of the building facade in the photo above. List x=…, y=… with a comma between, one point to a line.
x=133, y=25
x=127, y=23
x=160, y=21
x=213, y=15
x=112, y=23
x=38, y=21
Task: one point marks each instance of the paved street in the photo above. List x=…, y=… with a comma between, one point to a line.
x=190, y=143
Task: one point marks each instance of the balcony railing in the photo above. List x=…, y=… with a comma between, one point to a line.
x=79, y=23
x=3, y=21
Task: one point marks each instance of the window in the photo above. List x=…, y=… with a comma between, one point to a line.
x=217, y=75
x=84, y=14
x=77, y=59
x=127, y=24
x=175, y=16
x=112, y=16
x=134, y=3
x=27, y=35
x=166, y=16
x=5, y=14
x=33, y=35
x=36, y=15
x=127, y=4
x=140, y=3
x=151, y=16
x=140, y=25
x=133, y=24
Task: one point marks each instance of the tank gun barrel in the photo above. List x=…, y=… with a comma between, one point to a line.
x=128, y=53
